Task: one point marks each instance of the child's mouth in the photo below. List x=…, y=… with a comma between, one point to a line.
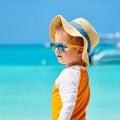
x=58, y=56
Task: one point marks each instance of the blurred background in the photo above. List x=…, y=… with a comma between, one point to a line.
x=28, y=66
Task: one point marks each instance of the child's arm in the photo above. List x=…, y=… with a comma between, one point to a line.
x=68, y=87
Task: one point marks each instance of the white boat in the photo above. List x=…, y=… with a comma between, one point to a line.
x=106, y=56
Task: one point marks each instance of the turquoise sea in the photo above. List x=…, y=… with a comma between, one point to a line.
x=27, y=74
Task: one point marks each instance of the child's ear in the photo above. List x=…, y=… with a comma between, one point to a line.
x=80, y=50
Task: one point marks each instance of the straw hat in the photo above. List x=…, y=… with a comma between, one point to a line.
x=79, y=27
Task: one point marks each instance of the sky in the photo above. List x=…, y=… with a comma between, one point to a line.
x=27, y=21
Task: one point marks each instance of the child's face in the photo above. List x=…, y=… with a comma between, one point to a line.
x=70, y=56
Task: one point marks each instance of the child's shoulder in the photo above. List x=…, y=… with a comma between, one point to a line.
x=70, y=75
x=72, y=69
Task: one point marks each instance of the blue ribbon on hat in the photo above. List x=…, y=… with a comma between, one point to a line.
x=83, y=32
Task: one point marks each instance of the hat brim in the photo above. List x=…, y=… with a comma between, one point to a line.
x=59, y=20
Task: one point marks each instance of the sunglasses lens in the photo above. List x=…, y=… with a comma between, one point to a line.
x=53, y=46
x=61, y=48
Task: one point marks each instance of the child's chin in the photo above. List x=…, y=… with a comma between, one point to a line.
x=61, y=62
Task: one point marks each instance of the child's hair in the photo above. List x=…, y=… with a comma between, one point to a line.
x=72, y=39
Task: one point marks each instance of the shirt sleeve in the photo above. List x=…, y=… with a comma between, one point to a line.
x=68, y=87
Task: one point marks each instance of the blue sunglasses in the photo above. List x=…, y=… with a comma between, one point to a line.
x=61, y=46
